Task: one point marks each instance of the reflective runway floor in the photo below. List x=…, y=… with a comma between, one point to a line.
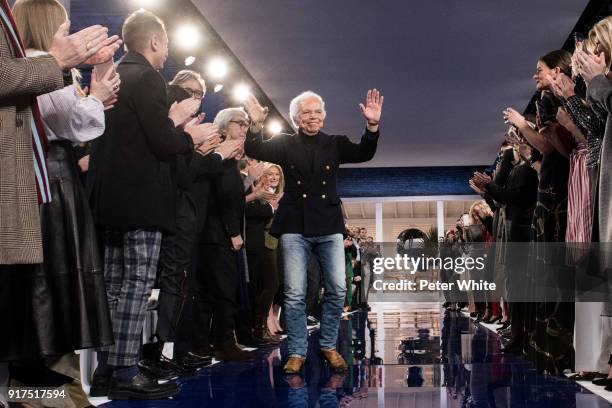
x=400, y=355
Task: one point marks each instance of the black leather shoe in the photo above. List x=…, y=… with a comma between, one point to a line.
x=194, y=361
x=605, y=382
x=504, y=325
x=99, y=385
x=153, y=369
x=180, y=369
x=140, y=387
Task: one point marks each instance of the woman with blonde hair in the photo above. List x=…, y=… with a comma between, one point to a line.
x=68, y=303
x=262, y=201
x=593, y=341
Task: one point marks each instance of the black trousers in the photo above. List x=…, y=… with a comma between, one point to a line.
x=174, y=263
x=263, y=274
x=215, y=299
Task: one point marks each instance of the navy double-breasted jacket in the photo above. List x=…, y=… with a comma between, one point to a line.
x=311, y=205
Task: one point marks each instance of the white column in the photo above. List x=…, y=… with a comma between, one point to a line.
x=379, y=222
x=440, y=216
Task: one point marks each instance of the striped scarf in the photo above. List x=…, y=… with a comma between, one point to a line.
x=39, y=139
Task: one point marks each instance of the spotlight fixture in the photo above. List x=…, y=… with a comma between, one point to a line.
x=217, y=68
x=218, y=87
x=147, y=4
x=241, y=92
x=187, y=36
x=275, y=127
x=189, y=60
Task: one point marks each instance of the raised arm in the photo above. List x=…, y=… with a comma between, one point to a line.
x=271, y=150
x=533, y=136
x=29, y=76
x=71, y=116
x=360, y=152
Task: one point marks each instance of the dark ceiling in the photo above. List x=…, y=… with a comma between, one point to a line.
x=446, y=68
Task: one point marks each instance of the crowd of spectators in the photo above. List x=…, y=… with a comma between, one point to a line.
x=550, y=184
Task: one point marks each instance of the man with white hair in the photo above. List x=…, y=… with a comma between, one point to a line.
x=309, y=217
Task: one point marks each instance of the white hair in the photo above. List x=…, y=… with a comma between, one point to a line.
x=224, y=117
x=295, y=106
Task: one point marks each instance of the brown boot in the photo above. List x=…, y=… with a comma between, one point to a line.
x=229, y=351
x=334, y=359
x=294, y=365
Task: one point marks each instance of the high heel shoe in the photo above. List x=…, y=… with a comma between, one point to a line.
x=504, y=325
x=492, y=319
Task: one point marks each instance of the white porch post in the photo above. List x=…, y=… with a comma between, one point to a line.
x=379, y=222
x=440, y=217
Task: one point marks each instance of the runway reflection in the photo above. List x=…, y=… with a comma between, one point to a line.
x=399, y=355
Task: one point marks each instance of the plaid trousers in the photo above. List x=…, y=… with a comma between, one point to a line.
x=130, y=267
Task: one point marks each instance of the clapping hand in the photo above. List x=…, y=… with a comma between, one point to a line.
x=105, y=88
x=209, y=145
x=590, y=65
x=104, y=54
x=373, y=107
x=481, y=179
x=182, y=112
x=275, y=200
x=514, y=118
x=229, y=148
x=477, y=189
x=255, y=170
x=71, y=50
x=260, y=191
x=561, y=85
x=564, y=118
x=200, y=132
x=256, y=112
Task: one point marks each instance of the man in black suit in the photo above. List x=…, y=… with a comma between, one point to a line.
x=309, y=217
x=133, y=197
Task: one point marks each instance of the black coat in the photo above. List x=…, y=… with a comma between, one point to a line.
x=516, y=187
x=257, y=214
x=133, y=186
x=204, y=169
x=310, y=205
x=225, y=213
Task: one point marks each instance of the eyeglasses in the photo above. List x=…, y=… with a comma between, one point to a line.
x=241, y=123
x=196, y=93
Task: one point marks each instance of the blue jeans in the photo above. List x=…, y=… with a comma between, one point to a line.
x=296, y=251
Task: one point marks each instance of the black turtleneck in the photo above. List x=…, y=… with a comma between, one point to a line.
x=310, y=143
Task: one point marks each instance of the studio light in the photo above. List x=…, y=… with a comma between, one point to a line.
x=189, y=60
x=147, y=4
x=187, y=36
x=275, y=127
x=217, y=68
x=218, y=87
x=241, y=92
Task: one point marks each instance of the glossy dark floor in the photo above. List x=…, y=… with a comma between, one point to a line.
x=399, y=355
